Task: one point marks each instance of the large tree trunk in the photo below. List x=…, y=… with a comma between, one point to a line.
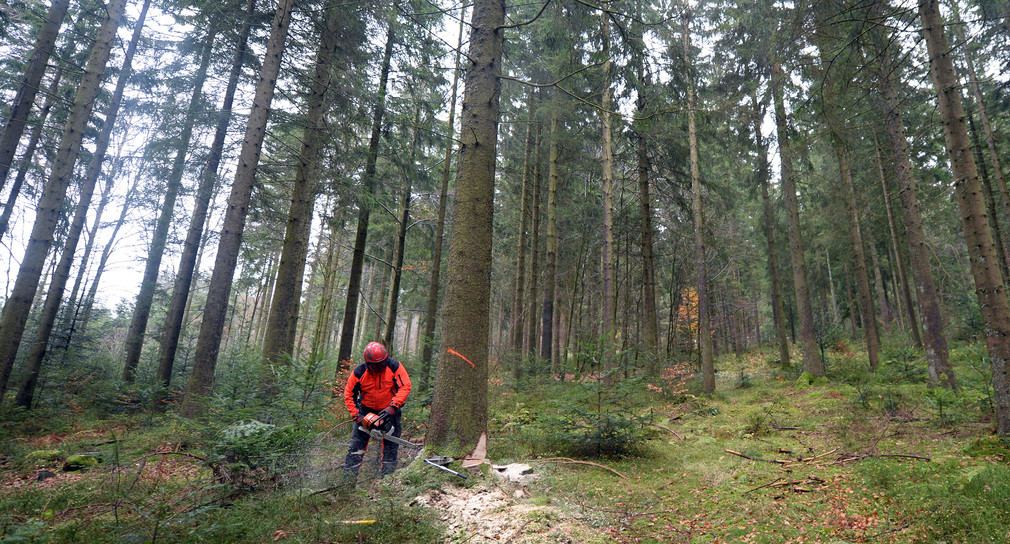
x=26, y=158
x=808, y=342
x=428, y=339
x=61, y=275
x=29, y=87
x=532, y=316
x=459, y=405
x=768, y=215
x=524, y=221
x=550, y=281
x=48, y=211
x=159, y=239
x=607, y=163
x=365, y=204
x=219, y=290
x=990, y=198
x=194, y=236
x=919, y=252
x=701, y=281
x=278, y=345
x=989, y=286
x=983, y=113
x=835, y=123
x=645, y=208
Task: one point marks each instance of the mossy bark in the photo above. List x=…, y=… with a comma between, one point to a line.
x=459, y=405
x=989, y=287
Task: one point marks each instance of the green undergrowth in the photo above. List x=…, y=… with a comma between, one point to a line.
x=773, y=456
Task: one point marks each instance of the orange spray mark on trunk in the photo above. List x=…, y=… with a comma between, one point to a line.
x=457, y=354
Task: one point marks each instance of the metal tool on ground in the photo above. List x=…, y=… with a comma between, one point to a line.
x=378, y=426
x=440, y=461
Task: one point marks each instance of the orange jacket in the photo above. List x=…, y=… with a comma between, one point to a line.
x=364, y=389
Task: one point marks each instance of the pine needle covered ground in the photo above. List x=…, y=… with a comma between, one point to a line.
x=773, y=457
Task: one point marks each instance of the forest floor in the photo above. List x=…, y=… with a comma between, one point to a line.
x=771, y=457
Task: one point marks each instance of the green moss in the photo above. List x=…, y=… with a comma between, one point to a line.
x=81, y=461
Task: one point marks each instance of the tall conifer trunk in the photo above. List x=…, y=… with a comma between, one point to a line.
x=532, y=316
x=159, y=239
x=768, y=216
x=216, y=307
x=19, y=303
x=983, y=112
x=989, y=286
x=365, y=203
x=393, y=301
x=551, y=257
x=919, y=252
x=705, y=347
x=25, y=97
x=61, y=275
x=88, y=301
x=459, y=404
x=282, y=323
x=26, y=158
x=188, y=262
x=524, y=220
x=645, y=208
x=607, y=164
x=866, y=307
x=899, y=259
x=808, y=342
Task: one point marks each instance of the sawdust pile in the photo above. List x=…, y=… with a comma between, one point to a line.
x=487, y=514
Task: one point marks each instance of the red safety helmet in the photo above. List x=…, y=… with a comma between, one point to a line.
x=375, y=353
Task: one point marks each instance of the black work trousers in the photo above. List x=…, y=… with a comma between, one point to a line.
x=359, y=445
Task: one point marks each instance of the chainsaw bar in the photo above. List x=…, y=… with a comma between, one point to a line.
x=389, y=436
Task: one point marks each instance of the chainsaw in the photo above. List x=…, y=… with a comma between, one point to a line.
x=379, y=426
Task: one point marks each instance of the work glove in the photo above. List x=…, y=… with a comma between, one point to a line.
x=390, y=410
x=357, y=418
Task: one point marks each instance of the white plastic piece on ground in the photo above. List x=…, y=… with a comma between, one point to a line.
x=516, y=472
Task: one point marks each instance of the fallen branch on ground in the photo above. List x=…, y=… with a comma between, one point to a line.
x=745, y=456
x=845, y=457
x=671, y=431
x=769, y=484
x=570, y=460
